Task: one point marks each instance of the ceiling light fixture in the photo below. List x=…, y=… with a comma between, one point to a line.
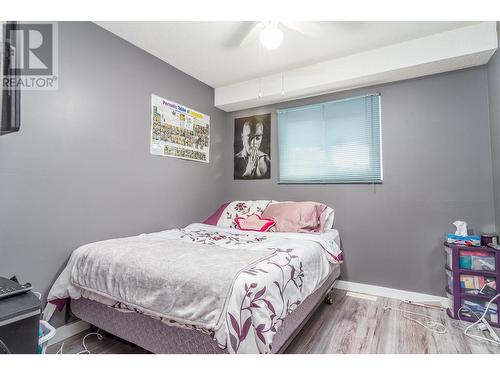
x=271, y=37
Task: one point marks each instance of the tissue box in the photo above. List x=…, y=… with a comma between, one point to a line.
x=463, y=240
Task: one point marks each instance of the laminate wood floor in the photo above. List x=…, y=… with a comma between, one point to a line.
x=351, y=325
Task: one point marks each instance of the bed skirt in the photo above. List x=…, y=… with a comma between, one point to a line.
x=157, y=337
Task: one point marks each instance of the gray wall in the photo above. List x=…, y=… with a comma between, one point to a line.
x=494, y=98
x=80, y=169
x=437, y=169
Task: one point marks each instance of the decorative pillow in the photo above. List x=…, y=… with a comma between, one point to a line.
x=240, y=208
x=254, y=222
x=300, y=217
x=212, y=220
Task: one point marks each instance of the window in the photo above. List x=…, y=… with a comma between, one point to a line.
x=333, y=142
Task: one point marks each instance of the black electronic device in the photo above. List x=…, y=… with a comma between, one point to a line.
x=9, y=288
x=10, y=94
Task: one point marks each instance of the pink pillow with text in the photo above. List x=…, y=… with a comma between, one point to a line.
x=254, y=222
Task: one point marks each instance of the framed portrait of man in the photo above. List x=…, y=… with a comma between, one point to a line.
x=252, y=147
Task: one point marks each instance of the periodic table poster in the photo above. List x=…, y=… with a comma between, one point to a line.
x=179, y=131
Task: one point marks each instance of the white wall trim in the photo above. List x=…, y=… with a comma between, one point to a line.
x=437, y=53
x=381, y=291
x=68, y=330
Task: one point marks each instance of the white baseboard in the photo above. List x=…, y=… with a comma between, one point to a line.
x=369, y=297
x=68, y=330
x=381, y=291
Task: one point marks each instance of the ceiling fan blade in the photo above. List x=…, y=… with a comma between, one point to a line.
x=311, y=29
x=240, y=33
x=252, y=33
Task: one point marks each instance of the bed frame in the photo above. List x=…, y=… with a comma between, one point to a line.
x=157, y=337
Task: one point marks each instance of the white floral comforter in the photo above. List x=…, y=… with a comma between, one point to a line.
x=262, y=295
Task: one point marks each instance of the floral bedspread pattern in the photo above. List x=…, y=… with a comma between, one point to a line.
x=262, y=295
x=205, y=237
x=266, y=293
x=270, y=302
x=241, y=209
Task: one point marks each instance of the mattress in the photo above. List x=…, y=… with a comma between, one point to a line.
x=157, y=337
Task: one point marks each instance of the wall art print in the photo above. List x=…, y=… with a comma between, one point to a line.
x=178, y=131
x=252, y=147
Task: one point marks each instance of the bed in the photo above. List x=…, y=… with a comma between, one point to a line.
x=158, y=337
x=202, y=288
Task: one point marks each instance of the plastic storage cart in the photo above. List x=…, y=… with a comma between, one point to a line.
x=472, y=276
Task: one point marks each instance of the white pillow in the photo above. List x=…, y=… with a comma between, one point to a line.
x=330, y=216
x=241, y=209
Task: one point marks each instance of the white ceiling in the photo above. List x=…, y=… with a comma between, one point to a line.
x=210, y=51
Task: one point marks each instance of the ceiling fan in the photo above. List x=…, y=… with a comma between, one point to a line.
x=270, y=33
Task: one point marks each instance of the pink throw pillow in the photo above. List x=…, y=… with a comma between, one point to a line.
x=302, y=217
x=212, y=220
x=254, y=222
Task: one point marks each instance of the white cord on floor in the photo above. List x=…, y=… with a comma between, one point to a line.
x=428, y=323
x=466, y=308
x=60, y=351
x=85, y=349
x=466, y=331
x=423, y=304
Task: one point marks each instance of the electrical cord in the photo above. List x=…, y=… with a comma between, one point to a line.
x=466, y=308
x=85, y=349
x=428, y=323
x=3, y=348
x=466, y=331
x=423, y=304
x=60, y=351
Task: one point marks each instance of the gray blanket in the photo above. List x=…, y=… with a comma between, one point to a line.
x=164, y=277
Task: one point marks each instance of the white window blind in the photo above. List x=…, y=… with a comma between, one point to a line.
x=333, y=142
